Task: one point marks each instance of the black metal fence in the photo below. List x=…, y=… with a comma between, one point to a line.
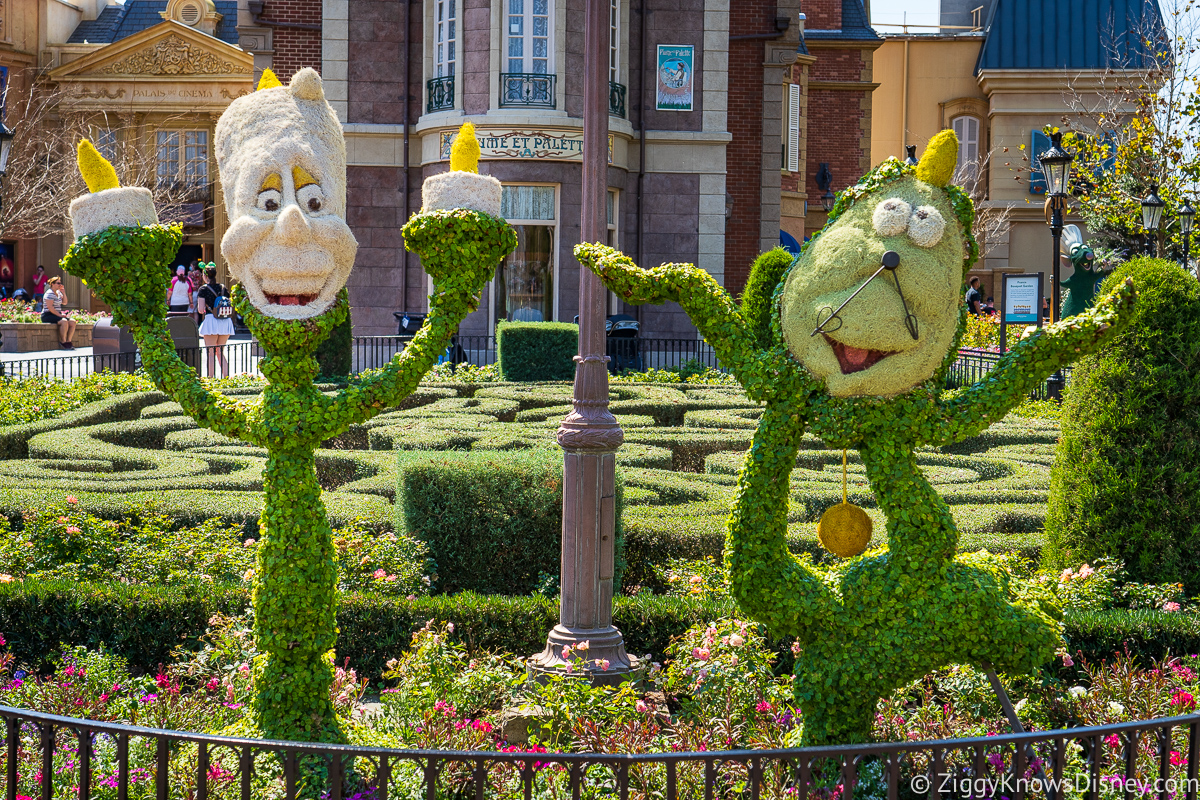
x=51, y=756
x=241, y=357
x=973, y=365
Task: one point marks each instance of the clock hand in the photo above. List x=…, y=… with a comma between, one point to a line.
x=891, y=260
x=910, y=319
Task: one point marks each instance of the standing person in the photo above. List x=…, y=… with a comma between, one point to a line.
x=973, y=297
x=53, y=312
x=196, y=279
x=39, y=285
x=179, y=293
x=212, y=301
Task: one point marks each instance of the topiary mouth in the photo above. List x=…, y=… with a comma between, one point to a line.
x=855, y=359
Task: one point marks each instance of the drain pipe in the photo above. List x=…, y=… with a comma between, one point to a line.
x=641, y=181
x=407, y=101
x=256, y=10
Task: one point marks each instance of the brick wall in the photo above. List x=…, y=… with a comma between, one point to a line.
x=374, y=213
x=824, y=15
x=674, y=22
x=294, y=48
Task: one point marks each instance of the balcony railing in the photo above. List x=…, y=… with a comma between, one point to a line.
x=441, y=94
x=526, y=89
x=616, y=99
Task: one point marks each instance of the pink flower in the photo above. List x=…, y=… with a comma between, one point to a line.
x=733, y=660
x=603, y=664
x=72, y=499
x=1067, y=660
x=380, y=574
x=582, y=646
x=72, y=529
x=1066, y=575
x=481, y=725
x=1178, y=760
x=1183, y=699
x=1085, y=571
x=244, y=669
x=212, y=684
x=248, y=543
x=702, y=654
x=1112, y=740
x=736, y=641
x=566, y=651
x=763, y=707
x=1170, y=606
x=641, y=706
x=796, y=649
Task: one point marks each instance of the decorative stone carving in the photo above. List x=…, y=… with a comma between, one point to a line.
x=174, y=56
x=82, y=94
x=230, y=96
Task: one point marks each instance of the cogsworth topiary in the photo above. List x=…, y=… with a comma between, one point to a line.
x=282, y=161
x=865, y=324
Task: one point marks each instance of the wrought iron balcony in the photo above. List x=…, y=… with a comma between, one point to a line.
x=441, y=94
x=526, y=89
x=616, y=99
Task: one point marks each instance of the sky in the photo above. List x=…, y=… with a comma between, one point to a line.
x=915, y=12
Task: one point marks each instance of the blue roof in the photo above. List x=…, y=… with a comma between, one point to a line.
x=1069, y=34
x=118, y=22
x=855, y=25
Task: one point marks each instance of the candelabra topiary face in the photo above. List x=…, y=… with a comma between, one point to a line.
x=282, y=160
x=896, y=331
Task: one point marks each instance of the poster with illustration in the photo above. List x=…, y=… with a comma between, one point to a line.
x=675, y=77
x=8, y=268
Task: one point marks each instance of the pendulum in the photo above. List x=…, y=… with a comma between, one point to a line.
x=844, y=529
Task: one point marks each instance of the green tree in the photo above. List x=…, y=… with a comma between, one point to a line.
x=1126, y=479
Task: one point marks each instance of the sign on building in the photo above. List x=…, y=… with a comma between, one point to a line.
x=676, y=77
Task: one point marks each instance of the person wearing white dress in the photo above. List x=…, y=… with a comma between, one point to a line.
x=212, y=301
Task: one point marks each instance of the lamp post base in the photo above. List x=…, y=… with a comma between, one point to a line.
x=1055, y=385
x=605, y=646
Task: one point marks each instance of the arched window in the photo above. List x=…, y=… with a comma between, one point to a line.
x=966, y=128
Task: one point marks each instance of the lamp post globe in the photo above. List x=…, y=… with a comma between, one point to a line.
x=1152, y=208
x=1187, y=215
x=827, y=200
x=1056, y=166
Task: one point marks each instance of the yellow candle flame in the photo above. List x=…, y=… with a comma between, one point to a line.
x=464, y=153
x=97, y=173
x=268, y=81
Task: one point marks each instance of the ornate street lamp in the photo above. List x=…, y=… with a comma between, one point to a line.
x=1056, y=167
x=824, y=179
x=1187, y=215
x=1152, y=208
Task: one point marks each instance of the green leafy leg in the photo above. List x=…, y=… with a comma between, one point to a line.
x=768, y=582
x=969, y=411
x=460, y=249
x=710, y=308
x=921, y=530
x=294, y=604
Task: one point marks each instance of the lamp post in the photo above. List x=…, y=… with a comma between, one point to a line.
x=590, y=434
x=910, y=155
x=1187, y=215
x=1152, y=208
x=1056, y=167
x=824, y=179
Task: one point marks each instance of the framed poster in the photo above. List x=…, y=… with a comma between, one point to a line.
x=676, y=75
x=8, y=268
x=1020, y=303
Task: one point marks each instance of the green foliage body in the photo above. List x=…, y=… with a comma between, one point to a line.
x=492, y=520
x=335, y=355
x=1126, y=480
x=295, y=589
x=765, y=274
x=536, y=351
x=876, y=622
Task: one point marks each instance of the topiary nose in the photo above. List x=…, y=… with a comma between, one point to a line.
x=891, y=259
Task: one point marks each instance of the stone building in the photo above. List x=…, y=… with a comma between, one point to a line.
x=997, y=86
x=710, y=159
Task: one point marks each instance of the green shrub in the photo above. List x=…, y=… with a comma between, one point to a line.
x=335, y=355
x=29, y=399
x=537, y=351
x=492, y=522
x=1126, y=482
x=765, y=274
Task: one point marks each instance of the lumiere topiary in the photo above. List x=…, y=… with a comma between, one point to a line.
x=867, y=371
x=282, y=161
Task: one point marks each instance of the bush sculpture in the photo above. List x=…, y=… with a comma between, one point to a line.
x=1124, y=483
x=282, y=162
x=859, y=356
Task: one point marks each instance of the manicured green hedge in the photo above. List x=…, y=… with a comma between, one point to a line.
x=537, y=351
x=144, y=624
x=493, y=522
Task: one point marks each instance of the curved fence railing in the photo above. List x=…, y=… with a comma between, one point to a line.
x=51, y=756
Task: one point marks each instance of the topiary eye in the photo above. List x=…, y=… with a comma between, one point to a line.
x=926, y=226
x=268, y=200
x=891, y=217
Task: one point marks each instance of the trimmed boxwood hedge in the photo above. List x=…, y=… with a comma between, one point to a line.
x=536, y=351
x=144, y=624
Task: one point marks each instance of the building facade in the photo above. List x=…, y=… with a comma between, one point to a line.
x=998, y=87
x=705, y=99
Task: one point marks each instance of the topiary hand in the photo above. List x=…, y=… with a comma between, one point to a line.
x=127, y=268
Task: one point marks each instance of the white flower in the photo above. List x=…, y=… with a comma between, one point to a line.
x=736, y=641
x=1020, y=705
x=891, y=217
x=1077, y=692
x=1116, y=708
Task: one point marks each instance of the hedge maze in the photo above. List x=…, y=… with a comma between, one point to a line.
x=683, y=450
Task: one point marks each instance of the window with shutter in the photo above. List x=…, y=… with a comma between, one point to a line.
x=793, y=145
x=967, y=131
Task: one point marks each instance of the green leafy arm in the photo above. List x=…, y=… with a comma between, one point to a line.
x=127, y=268
x=460, y=249
x=768, y=582
x=968, y=411
x=710, y=308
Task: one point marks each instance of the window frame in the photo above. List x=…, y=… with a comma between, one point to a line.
x=527, y=36
x=963, y=144
x=451, y=40
x=614, y=240
x=555, y=261
x=183, y=163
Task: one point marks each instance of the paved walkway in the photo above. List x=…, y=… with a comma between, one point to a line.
x=71, y=364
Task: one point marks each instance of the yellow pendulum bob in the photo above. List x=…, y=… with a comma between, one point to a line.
x=844, y=529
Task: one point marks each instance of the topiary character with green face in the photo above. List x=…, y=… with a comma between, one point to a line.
x=282, y=161
x=861, y=361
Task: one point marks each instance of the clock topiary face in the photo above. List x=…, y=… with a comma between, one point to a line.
x=868, y=348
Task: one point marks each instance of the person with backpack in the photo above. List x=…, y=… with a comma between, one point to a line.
x=212, y=303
